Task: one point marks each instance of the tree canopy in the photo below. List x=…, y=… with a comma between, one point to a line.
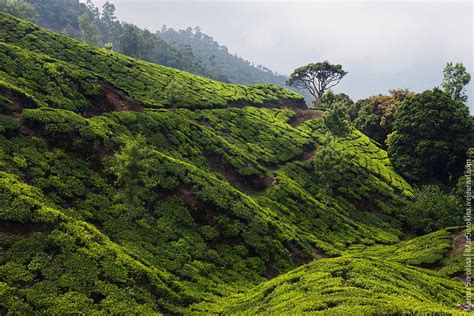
x=316, y=78
x=456, y=78
x=89, y=30
x=20, y=9
x=335, y=120
x=433, y=209
x=374, y=116
x=329, y=99
x=431, y=136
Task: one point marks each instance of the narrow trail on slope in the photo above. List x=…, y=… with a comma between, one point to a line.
x=458, y=243
x=302, y=116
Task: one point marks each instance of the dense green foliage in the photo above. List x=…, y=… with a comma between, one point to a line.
x=336, y=120
x=431, y=250
x=380, y=279
x=59, y=15
x=329, y=99
x=433, y=209
x=374, y=116
x=455, y=80
x=431, y=137
x=316, y=78
x=132, y=188
x=211, y=215
x=75, y=72
x=20, y=9
x=347, y=286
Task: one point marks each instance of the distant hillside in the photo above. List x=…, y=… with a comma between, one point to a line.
x=133, y=188
x=101, y=28
x=188, y=50
x=217, y=56
x=84, y=75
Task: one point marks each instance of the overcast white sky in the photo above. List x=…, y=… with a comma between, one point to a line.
x=383, y=45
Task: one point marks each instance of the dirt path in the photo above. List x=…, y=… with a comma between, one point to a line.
x=302, y=116
x=458, y=243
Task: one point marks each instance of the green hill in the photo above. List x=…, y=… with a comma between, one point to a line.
x=217, y=57
x=58, y=70
x=128, y=187
x=103, y=28
x=347, y=286
x=361, y=282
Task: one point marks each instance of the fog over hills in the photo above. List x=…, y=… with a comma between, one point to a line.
x=382, y=45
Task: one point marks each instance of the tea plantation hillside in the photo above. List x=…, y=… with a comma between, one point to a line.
x=347, y=286
x=131, y=188
x=359, y=283
x=54, y=69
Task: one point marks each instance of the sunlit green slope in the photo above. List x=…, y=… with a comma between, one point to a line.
x=347, y=286
x=363, y=282
x=130, y=187
x=54, y=70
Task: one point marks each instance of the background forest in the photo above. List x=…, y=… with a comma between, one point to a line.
x=189, y=50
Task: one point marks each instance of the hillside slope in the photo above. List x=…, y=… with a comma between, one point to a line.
x=62, y=16
x=121, y=194
x=218, y=57
x=348, y=286
x=76, y=71
x=382, y=279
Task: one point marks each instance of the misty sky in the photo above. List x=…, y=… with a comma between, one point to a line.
x=383, y=45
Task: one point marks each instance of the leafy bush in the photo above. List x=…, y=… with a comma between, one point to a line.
x=336, y=120
x=431, y=137
x=433, y=209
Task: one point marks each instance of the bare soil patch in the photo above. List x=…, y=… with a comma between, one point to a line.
x=111, y=99
x=458, y=243
x=302, y=116
x=246, y=184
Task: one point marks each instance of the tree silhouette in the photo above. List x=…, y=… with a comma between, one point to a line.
x=316, y=78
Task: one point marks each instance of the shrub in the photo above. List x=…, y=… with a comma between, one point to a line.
x=433, y=209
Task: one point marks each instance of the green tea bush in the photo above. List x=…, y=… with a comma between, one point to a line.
x=174, y=198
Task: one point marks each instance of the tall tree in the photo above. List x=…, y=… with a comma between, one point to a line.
x=146, y=45
x=129, y=41
x=316, y=78
x=20, y=9
x=131, y=167
x=110, y=26
x=431, y=137
x=374, y=116
x=174, y=92
x=108, y=13
x=335, y=173
x=335, y=120
x=89, y=29
x=93, y=9
x=456, y=78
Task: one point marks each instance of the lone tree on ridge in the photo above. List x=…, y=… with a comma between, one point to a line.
x=316, y=78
